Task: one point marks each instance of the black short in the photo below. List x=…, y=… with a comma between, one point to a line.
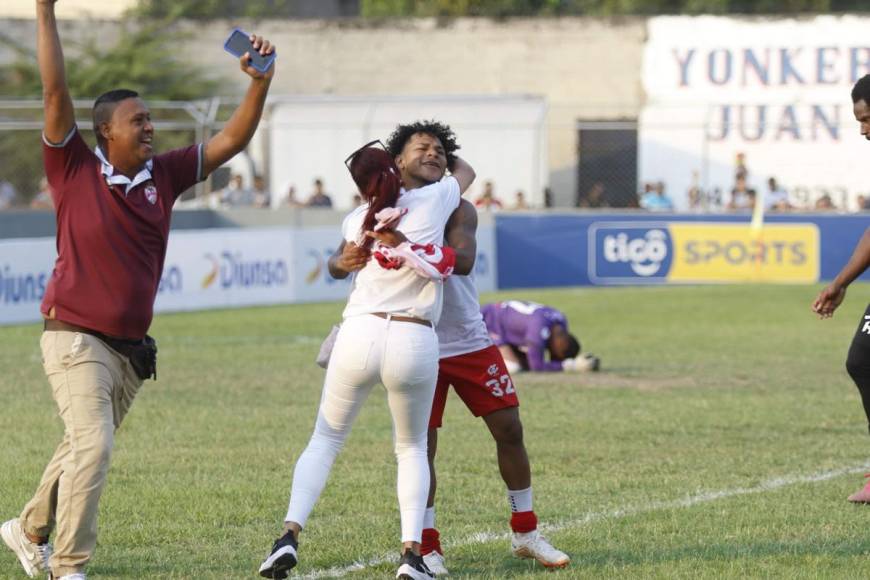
x=860, y=348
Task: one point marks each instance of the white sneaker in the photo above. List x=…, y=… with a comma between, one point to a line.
x=76, y=576
x=534, y=545
x=33, y=557
x=435, y=562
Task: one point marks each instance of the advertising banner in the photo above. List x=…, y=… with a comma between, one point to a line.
x=226, y=267
x=216, y=268
x=312, y=248
x=653, y=252
x=536, y=251
x=485, y=275
x=25, y=268
x=774, y=91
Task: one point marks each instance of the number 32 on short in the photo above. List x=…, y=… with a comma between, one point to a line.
x=501, y=386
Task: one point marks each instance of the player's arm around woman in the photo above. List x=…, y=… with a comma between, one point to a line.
x=387, y=336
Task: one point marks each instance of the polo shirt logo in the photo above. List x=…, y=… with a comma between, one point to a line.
x=151, y=194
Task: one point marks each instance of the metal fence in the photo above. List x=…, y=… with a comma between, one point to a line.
x=301, y=140
x=21, y=121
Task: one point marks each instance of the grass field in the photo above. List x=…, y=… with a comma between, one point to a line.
x=720, y=441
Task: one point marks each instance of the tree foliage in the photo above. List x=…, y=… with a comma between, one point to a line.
x=382, y=9
x=141, y=60
x=507, y=8
x=210, y=9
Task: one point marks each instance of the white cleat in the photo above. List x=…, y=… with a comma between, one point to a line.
x=534, y=545
x=76, y=576
x=435, y=562
x=33, y=557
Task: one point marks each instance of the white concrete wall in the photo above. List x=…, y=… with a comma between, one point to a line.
x=585, y=68
x=68, y=8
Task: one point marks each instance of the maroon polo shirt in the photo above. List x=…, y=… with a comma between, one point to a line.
x=111, y=243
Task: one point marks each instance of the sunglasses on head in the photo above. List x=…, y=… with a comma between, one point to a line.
x=375, y=143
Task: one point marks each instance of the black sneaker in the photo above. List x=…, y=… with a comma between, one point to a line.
x=412, y=567
x=282, y=558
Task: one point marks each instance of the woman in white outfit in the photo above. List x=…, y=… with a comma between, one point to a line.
x=387, y=336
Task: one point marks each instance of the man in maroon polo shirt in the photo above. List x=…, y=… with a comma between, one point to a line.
x=113, y=209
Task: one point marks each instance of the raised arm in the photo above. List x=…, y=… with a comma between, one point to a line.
x=463, y=172
x=236, y=134
x=59, y=113
x=831, y=297
x=460, y=234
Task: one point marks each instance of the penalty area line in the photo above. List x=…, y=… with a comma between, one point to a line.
x=767, y=485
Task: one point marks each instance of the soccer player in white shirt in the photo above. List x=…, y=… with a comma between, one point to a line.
x=474, y=366
x=387, y=336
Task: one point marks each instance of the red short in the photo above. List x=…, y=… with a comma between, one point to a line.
x=481, y=381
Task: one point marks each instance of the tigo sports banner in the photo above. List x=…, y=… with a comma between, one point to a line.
x=580, y=249
x=652, y=252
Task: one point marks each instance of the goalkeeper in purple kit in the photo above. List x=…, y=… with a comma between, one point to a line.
x=534, y=337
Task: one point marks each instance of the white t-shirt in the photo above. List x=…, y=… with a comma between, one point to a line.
x=461, y=329
x=403, y=291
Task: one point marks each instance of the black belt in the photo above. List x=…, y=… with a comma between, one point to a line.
x=122, y=346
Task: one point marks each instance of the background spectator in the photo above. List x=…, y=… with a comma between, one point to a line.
x=488, y=201
x=235, y=194
x=777, y=197
x=825, y=203
x=715, y=200
x=319, y=198
x=594, y=198
x=657, y=199
x=548, y=197
x=262, y=195
x=863, y=203
x=520, y=201
x=694, y=195
x=290, y=197
x=8, y=195
x=740, y=196
x=740, y=169
x=42, y=200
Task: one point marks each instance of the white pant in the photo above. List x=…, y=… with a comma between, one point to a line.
x=403, y=356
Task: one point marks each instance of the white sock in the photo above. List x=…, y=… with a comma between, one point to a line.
x=429, y=518
x=521, y=500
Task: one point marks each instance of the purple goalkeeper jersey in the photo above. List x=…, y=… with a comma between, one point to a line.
x=525, y=326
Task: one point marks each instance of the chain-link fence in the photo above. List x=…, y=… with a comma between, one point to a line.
x=302, y=141
x=21, y=172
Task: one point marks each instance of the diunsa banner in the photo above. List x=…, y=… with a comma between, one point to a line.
x=776, y=91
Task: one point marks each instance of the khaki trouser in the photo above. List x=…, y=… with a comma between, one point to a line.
x=93, y=387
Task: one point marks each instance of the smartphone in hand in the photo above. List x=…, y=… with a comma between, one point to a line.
x=239, y=42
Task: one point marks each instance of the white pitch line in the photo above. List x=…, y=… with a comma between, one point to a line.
x=688, y=501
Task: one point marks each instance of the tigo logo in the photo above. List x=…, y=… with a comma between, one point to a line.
x=620, y=253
